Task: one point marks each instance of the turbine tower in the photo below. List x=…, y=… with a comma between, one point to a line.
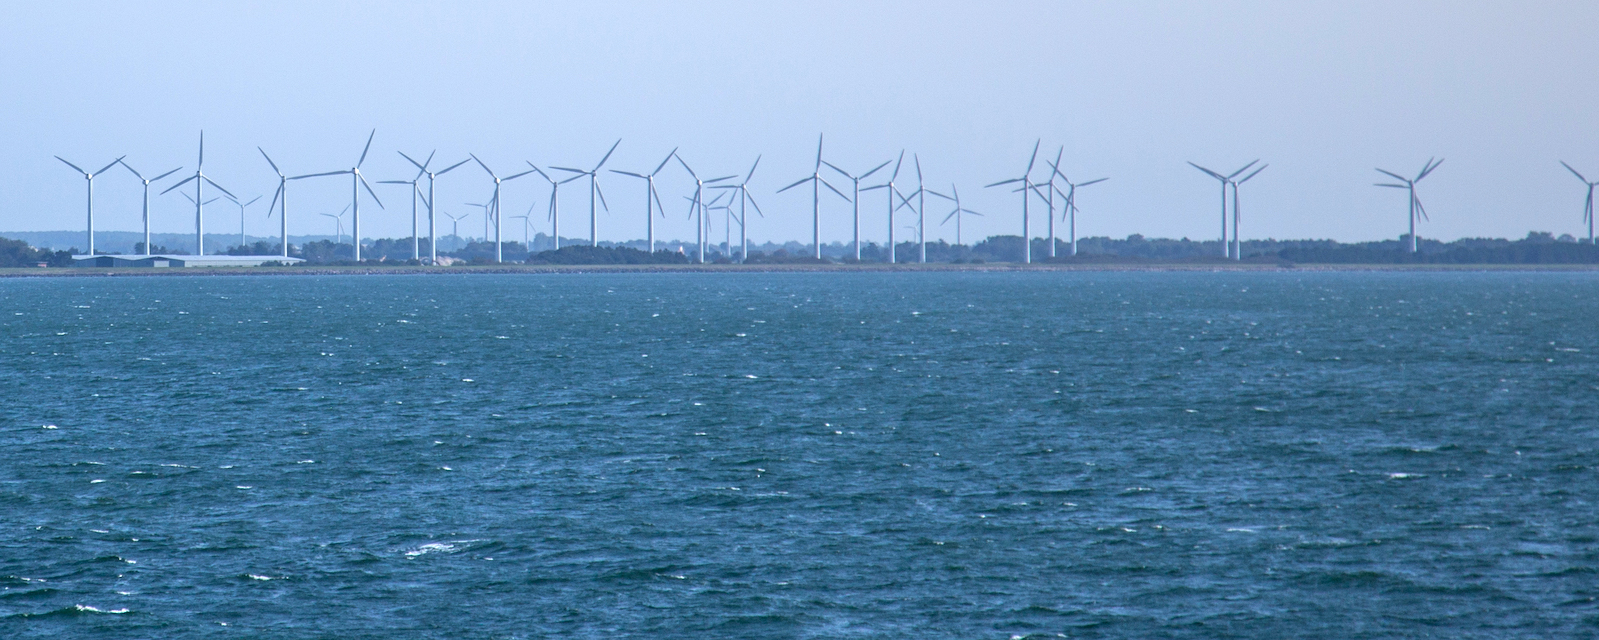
x=199, y=203
x=146, y=182
x=893, y=192
x=1410, y=186
x=356, y=182
x=816, y=197
x=1587, y=209
x=280, y=196
x=433, y=236
x=1238, y=253
x=1224, y=180
x=1027, y=185
x=88, y=177
x=746, y=198
x=494, y=204
x=651, y=198
x=338, y=227
x=857, y=198
x=594, y=190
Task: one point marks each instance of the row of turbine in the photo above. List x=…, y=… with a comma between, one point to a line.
x=699, y=206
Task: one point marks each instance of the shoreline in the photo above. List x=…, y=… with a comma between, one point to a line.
x=1001, y=267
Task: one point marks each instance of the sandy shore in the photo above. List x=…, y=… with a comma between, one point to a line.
x=79, y=272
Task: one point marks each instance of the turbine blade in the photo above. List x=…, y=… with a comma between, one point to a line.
x=1097, y=181
x=751, y=172
x=751, y=199
x=818, y=152
x=802, y=181
x=875, y=169
x=576, y=177
x=665, y=160
x=367, y=148
x=184, y=182
x=1212, y=174
x=275, y=195
x=485, y=167
x=1395, y=186
x=218, y=186
x=75, y=167
x=1253, y=174
x=830, y=187
x=935, y=193
x=135, y=173
x=412, y=160
x=720, y=179
x=1394, y=175
x=1003, y=182
x=108, y=165
x=918, y=160
x=607, y=156
x=516, y=176
x=1573, y=171
x=685, y=166
x=835, y=168
x=601, y=193
x=318, y=175
x=630, y=173
x=275, y=168
x=452, y=167
x=370, y=192
x=1034, y=158
x=1430, y=167
x=1243, y=169
x=569, y=169
x=659, y=208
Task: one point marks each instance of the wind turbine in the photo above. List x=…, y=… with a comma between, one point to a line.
x=745, y=197
x=699, y=207
x=199, y=203
x=89, y=178
x=433, y=236
x=555, y=203
x=1587, y=209
x=594, y=190
x=1069, y=208
x=893, y=192
x=1224, y=180
x=1410, y=185
x=356, y=182
x=697, y=203
x=1049, y=196
x=146, y=182
x=488, y=214
x=499, y=250
x=857, y=198
x=281, y=195
x=527, y=226
x=242, y=206
x=416, y=241
x=455, y=227
x=1027, y=185
x=956, y=213
x=816, y=197
x=651, y=198
x=1238, y=253
x=338, y=225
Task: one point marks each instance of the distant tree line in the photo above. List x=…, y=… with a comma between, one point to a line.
x=16, y=253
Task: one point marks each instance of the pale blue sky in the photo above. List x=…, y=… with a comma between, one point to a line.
x=1323, y=91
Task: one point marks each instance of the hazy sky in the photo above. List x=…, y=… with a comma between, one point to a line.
x=1323, y=91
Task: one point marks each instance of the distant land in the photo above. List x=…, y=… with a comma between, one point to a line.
x=1537, y=248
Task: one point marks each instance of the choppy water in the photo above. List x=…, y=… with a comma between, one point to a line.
x=802, y=455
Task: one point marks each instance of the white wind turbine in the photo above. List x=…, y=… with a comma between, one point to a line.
x=1238, y=253
x=555, y=203
x=816, y=197
x=893, y=192
x=199, y=202
x=1026, y=189
x=1415, y=203
x=433, y=236
x=455, y=227
x=651, y=198
x=88, y=177
x=697, y=203
x=416, y=241
x=146, y=182
x=280, y=197
x=494, y=204
x=338, y=226
x=594, y=191
x=744, y=198
x=356, y=182
x=1587, y=208
x=920, y=208
x=242, y=206
x=857, y=198
x=957, y=213
x=1225, y=180
x=527, y=228
x=1069, y=209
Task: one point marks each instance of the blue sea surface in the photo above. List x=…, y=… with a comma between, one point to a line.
x=824, y=455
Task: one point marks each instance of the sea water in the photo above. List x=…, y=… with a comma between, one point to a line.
x=824, y=455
